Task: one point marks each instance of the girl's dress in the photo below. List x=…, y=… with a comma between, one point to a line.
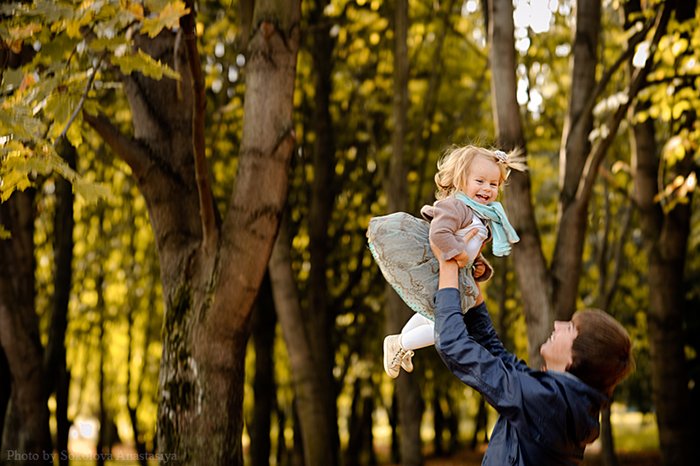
x=400, y=245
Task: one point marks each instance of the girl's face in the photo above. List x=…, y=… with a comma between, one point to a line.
x=557, y=350
x=483, y=180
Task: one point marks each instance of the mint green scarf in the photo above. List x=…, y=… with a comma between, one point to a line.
x=503, y=232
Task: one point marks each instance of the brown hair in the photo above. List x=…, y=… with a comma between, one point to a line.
x=454, y=165
x=602, y=350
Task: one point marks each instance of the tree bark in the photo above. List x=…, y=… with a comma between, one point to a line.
x=55, y=367
x=26, y=436
x=209, y=287
x=5, y=390
x=319, y=317
x=264, y=387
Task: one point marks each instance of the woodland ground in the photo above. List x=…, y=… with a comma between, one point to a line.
x=473, y=458
x=464, y=457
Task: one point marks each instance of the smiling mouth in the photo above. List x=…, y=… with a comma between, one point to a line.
x=482, y=198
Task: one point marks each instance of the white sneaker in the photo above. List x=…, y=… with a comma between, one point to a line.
x=396, y=357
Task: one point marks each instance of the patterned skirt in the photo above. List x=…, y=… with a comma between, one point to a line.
x=399, y=244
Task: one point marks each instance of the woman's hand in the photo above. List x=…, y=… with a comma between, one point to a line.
x=462, y=259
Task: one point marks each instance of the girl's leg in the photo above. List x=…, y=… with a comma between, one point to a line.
x=398, y=349
x=417, y=333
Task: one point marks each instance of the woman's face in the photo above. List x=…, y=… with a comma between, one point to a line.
x=557, y=350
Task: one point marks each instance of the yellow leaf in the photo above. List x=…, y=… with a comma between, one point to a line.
x=145, y=64
x=16, y=46
x=24, y=32
x=168, y=18
x=679, y=108
x=135, y=9
x=665, y=113
x=73, y=29
x=679, y=47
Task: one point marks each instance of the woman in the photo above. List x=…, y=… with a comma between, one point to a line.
x=546, y=417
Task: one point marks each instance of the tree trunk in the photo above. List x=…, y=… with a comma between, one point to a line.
x=55, y=368
x=102, y=447
x=5, y=390
x=352, y=455
x=26, y=437
x=210, y=269
x=319, y=317
x=410, y=411
x=264, y=387
x=131, y=407
x=312, y=416
x=666, y=238
x=438, y=423
x=607, y=449
x=528, y=259
x=575, y=148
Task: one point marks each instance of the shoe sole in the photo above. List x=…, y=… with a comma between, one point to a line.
x=386, y=365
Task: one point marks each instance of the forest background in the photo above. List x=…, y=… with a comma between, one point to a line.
x=186, y=189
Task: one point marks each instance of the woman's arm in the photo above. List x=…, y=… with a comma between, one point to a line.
x=477, y=320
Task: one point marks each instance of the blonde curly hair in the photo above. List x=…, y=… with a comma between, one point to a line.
x=453, y=166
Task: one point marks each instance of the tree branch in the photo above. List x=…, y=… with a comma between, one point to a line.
x=638, y=78
x=83, y=97
x=609, y=293
x=605, y=79
x=129, y=150
x=206, y=198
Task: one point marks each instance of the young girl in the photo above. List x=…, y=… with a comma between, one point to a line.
x=468, y=182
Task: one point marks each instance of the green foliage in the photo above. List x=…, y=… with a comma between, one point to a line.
x=674, y=102
x=71, y=42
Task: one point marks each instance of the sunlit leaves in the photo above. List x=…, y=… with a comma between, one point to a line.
x=21, y=165
x=167, y=17
x=145, y=64
x=73, y=41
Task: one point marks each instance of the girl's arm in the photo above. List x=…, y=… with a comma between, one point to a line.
x=449, y=216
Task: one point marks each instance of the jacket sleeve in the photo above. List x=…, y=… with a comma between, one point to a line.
x=480, y=326
x=449, y=215
x=494, y=376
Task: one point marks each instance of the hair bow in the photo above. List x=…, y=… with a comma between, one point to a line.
x=501, y=156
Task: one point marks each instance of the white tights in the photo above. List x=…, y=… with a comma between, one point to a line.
x=418, y=332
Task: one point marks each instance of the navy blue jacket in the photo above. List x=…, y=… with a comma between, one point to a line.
x=545, y=417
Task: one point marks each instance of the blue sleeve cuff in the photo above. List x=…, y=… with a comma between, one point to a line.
x=446, y=298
